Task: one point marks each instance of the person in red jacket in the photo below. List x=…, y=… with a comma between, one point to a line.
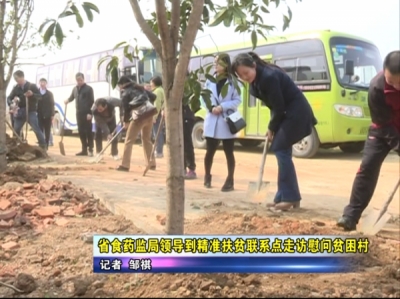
x=383, y=136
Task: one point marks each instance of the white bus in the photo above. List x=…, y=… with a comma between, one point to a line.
x=61, y=80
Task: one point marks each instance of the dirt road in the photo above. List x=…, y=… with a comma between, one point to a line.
x=47, y=252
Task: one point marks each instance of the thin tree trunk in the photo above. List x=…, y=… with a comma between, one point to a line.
x=3, y=146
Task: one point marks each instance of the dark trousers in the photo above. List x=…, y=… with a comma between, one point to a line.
x=212, y=145
x=375, y=152
x=288, y=187
x=85, y=132
x=45, y=126
x=188, y=145
x=99, y=138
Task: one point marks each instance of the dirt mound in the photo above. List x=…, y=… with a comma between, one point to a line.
x=22, y=174
x=39, y=205
x=17, y=151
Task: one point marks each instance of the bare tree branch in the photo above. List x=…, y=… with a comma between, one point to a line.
x=25, y=28
x=145, y=27
x=189, y=37
x=175, y=21
x=2, y=35
x=163, y=28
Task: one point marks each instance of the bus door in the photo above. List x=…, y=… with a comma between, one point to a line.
x=263, y=111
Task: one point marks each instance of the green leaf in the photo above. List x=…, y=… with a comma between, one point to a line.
x=88, y=12
x=210, y=78
x=78, y=16
x=44, y=24
x=49, y=33
x=218, y=18
x=66, y=13
x=264, y=9
x=224, y=90
x=119, y=45
x=266, y=2
x=102, y=60
x=59, y=34
x=114, y=77
x=127, y=54
x=91, y=6
x=286, y=22
x=277, y=2
x=254, y=39
x=206, y=15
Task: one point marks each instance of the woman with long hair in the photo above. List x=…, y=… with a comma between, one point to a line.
x=292, y=119
x=215, y=126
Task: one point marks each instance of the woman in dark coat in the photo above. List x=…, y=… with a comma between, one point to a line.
x=292, y=119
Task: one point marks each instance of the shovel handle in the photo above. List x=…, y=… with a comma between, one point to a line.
x=389, y=200
x=63, y=124
x=155, y=143
x=262, y=165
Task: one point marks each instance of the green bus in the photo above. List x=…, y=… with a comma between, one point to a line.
x=333, y=70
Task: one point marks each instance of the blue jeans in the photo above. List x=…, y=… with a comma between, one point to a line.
x=288, y=187
x=160, y=141
x=34, y=123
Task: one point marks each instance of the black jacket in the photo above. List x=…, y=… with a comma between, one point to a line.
x=84, y=97
x=187, y=113
x=108, y=116
x=46, y=105
x=137, y=100
x=292, y=117
x=384, y=105
x=17, y=91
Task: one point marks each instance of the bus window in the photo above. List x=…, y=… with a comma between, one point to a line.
x=71, y=68
x=42, y=73
x=58, y=72
x=312, y=68
x=252, y=101
x=52, y=76
x=289, y=66
x=103, y=71
x=366, y=57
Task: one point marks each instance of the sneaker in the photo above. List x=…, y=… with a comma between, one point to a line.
x=115, y=157
x=90, y=153
x=347, y=224
x=159, y=156
x=51, y=144
x=122, y=168
x=191, y=175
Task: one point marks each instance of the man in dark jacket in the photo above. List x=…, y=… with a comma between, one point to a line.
x=383, y=136
x=45, y=109
x=22, y=94
x=84, y=96
x=105, y=120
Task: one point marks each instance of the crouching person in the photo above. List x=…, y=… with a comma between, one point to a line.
x=104, y=116
x=138, y=118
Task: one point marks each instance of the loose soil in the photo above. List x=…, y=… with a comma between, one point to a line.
x=17, y=151
x=46, y=230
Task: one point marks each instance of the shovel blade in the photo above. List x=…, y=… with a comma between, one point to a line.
x=62, y=149
x=370, y=226
x=258, y=194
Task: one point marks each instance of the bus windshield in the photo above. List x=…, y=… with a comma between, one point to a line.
x=366, y=57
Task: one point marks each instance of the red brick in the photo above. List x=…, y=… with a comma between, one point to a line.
x=27, y=207
x=69, y=213
x=5, y=224
x=47, y=221
x=62, y=221
x=44, y=212
x=28, y=186
x=5, y=204
x=46, y=187
x=9, y=194
x=10, y=245
x=7, y=215
x=18, y=190
x=2, y=192
x=55, y=209
x=54, y=201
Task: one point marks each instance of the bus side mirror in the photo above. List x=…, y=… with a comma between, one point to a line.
x=349, y=67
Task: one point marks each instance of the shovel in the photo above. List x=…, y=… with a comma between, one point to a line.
x=374, y=222
x=15, y=133
x=27, y=118
x=99, y=156
x=154, y=145
x=258, y=191
x=61, y=143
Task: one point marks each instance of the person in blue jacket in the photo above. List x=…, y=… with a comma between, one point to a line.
x=292, y=119
x=215, y=126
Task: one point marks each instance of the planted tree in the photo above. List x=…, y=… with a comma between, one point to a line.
x=172, y=30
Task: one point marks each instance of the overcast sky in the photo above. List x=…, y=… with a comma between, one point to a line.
x=378, y=22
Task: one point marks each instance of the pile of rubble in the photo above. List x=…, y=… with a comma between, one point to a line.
x=20, y=151
x=41, y=204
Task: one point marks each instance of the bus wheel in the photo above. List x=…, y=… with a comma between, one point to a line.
x=352, y=148
x=250, y=142
x=307, y=147
x=57, y=123
x=197, y=135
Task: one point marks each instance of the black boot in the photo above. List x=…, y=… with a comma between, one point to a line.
x=228, y=186
x=207, y=181
x=347, y=224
